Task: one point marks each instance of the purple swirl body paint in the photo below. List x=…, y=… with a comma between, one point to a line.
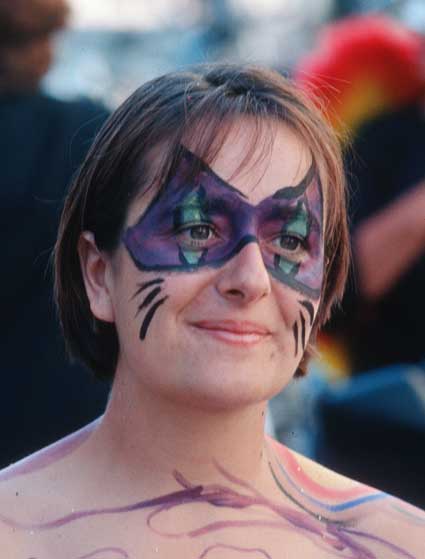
x=337, y=538
x=243, y=550
x=106, y=553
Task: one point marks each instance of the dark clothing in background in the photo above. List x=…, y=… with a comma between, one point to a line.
x=388, y=159
x=43, y=397
x=373, y=427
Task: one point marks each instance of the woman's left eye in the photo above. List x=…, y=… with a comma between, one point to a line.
x=289, y=242
x=289, y=246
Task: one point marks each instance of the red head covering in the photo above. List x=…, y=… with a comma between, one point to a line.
x=362, y=66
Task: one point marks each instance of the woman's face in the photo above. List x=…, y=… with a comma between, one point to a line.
x=217, y=281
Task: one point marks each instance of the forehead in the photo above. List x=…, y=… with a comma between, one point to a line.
x=259, y=162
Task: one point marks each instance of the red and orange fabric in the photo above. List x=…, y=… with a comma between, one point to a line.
x=362, y=66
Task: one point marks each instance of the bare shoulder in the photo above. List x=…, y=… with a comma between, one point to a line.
x=18, y=509
x=31, y=488
x=384, y=524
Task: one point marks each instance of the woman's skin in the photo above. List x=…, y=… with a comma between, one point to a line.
x=179, y=465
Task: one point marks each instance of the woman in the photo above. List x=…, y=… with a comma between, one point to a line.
x=203, y=244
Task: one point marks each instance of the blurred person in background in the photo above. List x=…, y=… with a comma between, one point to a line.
x=370, y=73
x=42, y=143
x=388, y=311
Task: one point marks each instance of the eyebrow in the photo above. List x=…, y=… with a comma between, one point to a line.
x=290, y=192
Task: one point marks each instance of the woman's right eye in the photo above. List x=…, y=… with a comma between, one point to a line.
x=200, y=232
x=196, y=236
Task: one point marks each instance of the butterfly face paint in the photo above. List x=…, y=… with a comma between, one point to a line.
x=206, y=222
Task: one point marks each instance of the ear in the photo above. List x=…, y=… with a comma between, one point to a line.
x=95, y=268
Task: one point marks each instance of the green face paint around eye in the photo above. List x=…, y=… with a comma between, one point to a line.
x=299, y=225
x=286, y=266
x=191, y=210
x=191, y=220
x=191, y=257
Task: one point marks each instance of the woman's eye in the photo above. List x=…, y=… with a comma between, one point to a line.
x=196, y=236
x=200, y=232
x=289, y=242
x=289, y=246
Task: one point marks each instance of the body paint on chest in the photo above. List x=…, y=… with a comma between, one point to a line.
x=327, y=526
x=205, y=221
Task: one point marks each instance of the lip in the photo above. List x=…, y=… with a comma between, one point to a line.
x=234, y=332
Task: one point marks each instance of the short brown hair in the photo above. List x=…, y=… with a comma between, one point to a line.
x=162, y=113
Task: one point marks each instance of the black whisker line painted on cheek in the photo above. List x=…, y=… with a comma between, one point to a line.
x=309, y=308
x=145, y=285
x=149, y=316
x=302, y=330
x=295, y=330
x=148, y=299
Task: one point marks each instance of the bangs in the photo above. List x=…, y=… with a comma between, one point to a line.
x=204, y=131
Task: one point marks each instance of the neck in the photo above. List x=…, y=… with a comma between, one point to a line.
x=146, y=438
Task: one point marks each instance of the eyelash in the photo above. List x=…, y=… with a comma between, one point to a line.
x=297, y=253
x=196, y=243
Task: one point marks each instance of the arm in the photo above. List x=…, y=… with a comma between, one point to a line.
x=389, y=242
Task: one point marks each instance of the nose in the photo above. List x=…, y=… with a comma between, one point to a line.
x=244, y=279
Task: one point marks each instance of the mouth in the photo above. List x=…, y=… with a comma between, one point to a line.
x=233, y=332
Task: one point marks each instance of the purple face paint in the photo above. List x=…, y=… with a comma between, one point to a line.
x=206, y=221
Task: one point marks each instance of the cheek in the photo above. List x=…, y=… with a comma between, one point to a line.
x=187, y=288
x=298, y=314
x=159, y=300
x=287, y=300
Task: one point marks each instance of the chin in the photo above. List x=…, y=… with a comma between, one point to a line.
x=229, y=386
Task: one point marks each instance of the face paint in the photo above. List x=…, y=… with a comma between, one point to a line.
x=310, y=309
x=299, y=329
x=149, y=316
x=149, y=298
x=295, y=332
x=206, y=221
x=303, y=337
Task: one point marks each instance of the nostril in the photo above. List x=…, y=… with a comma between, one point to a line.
x=235, y=292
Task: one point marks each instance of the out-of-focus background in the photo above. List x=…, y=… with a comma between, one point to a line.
x=112, y=46
x=361, y=409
